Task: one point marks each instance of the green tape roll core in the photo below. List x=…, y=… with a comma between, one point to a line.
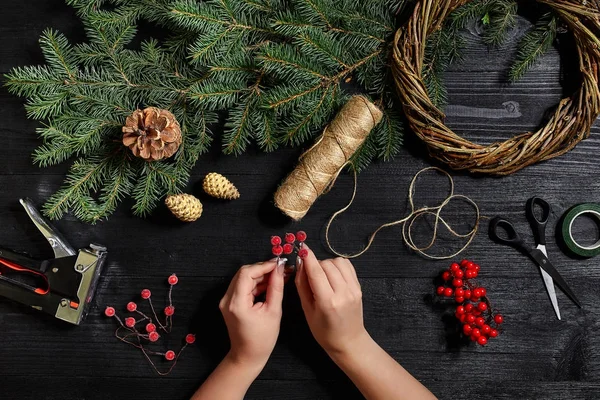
x=590, y=209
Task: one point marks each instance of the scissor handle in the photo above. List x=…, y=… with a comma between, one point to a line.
x=538, y=225
x=512, y=239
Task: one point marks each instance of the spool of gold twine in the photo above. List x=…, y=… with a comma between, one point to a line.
x=320, y=165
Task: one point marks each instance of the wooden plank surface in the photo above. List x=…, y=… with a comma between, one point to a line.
x=535, y=357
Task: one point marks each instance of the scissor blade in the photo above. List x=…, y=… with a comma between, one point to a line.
x=549, y=283
x=544, y=263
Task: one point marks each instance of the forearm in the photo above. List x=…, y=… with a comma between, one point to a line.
x=377, y=375
x=229, y=381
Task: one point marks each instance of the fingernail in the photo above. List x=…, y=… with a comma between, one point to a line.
x=281, y=265
x=298, y=263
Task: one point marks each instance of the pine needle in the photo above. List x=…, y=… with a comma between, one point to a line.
x=536, y=42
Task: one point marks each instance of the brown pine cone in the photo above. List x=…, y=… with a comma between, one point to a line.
x=185, y=207
x=152, y=133
x=220, y=187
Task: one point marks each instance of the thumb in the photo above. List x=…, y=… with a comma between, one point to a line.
x=274, y=296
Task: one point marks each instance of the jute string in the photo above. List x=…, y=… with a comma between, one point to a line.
x=320, y=165
x=408, y=221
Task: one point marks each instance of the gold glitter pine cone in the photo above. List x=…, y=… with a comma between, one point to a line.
x=152, y=134
x=185, y=207
x=220, y=187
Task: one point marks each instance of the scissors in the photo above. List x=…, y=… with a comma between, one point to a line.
x=538, y=254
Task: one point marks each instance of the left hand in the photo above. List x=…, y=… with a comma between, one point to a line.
x=254, y=327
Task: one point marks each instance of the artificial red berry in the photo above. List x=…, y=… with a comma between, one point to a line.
x=460, y=310
x=486, y=329
x=493, y=333
x=190, y=338
x=446, y=276
x=479, y=321
x=469, y=307
x=462, y=318
x=470, y=265
x=173, y=279
x=483, y=292
x=467, y=329
x=454, y=267
x=301, y=236
x=463, y=263
x=288, y=248
x=498, y=319
x=303, y=253
x=470, y=318
x=146, y=293
x=459, y=274
x=467, y=294
x=170, y=355
x=169, y=310
x=109, y=312
x=440, y=290
x=290, y=238
x=275, y=240
x=476, y=332
x=476, y=267
x=470, y=274
x=482, y=306
x=131, y=306
x=482, y=340
x=277, y=250
x=448, y=292
x=457, y=282
x=150, y=327
x=459, y=292
x=475, y=273
x=476, y=293
x=130, y=322
x=153, y=336
x=459, y=299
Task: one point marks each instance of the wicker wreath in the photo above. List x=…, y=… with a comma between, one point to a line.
x=570, y=123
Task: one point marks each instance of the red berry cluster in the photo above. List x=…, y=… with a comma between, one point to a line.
x=128, y=333
x=474, y=310
x=289, y=246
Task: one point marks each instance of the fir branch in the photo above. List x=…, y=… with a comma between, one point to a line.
x=466, y=13
x=85, y=175
x=119, y=184
x=388, y=135
x=502, y=17
x=444, y=48
x=536, y=42
x=58, y=54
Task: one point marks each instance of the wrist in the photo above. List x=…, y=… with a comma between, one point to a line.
x=253, y=366
x=345, y=351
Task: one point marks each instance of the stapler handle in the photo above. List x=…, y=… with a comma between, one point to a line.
x=23, y=260
x=13, y=263
x=59, y=244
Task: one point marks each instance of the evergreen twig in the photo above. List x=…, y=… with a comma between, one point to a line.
x=536, y=42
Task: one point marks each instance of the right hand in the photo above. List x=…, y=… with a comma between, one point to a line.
x=332, y=302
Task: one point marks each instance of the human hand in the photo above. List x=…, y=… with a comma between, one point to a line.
x=254, y=327
x=332, y=302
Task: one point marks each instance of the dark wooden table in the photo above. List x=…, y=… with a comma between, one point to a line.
x=535, y=357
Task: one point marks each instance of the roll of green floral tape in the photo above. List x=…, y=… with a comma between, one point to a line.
x=589, y=209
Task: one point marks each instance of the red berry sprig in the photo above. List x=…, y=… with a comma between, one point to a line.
x=128, y=332
x=474, y=310
x=293, y=242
